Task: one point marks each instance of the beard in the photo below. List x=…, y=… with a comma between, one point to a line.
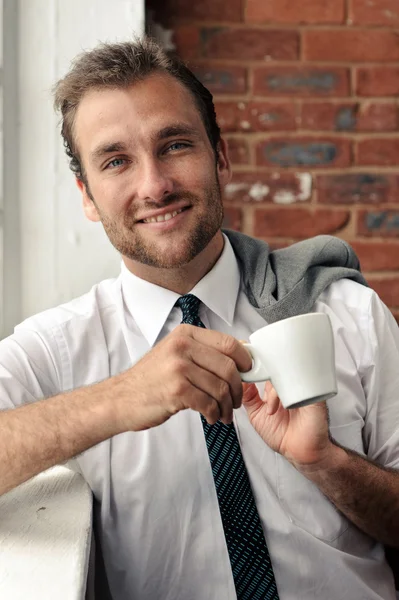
x=125, y=235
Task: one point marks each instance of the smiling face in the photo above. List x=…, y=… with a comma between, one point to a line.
x=151, y=175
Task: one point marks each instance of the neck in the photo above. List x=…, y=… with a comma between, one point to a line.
x=182, y=279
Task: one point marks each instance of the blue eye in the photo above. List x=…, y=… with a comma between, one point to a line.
x=115, y=163
x=177, y=146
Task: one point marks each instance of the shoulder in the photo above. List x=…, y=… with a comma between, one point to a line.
x=349, y=297
x=359, y=316
x=352, y=306
x=81, y=310
x=52, y=351
x=348, y=294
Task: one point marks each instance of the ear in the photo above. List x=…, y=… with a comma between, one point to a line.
x=223, y=164
x=89, y=207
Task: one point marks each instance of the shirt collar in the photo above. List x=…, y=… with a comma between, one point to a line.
x=218, y=290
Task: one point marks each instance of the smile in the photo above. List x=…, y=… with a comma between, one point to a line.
x=165, y=217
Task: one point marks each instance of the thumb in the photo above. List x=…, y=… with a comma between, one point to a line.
x=251, y=399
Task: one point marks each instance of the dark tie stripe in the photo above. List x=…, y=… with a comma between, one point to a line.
x=249, y=557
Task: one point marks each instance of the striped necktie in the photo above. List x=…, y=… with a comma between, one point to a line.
x=249, y=557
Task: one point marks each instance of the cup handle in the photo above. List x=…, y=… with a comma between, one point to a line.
x=258, y=371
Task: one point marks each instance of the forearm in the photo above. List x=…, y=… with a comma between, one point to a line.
x=48, y=432
x=366, y=493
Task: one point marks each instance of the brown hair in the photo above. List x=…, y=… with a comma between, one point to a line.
x=119, y=65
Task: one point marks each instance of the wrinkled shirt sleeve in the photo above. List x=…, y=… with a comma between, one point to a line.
x=29, y=369
x=380, y=378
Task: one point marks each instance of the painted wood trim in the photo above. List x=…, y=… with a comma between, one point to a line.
x=45, y=537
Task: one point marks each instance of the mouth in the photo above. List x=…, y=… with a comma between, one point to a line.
x=164, y=217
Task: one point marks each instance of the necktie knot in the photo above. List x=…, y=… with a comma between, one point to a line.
x=189, y=305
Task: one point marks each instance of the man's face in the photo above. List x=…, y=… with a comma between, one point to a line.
x=152, y=177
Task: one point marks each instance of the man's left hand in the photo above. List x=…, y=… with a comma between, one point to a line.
x=299, y=434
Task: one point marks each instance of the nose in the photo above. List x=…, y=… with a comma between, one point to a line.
x=153, y=181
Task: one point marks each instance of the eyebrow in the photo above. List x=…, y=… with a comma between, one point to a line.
x=162, y=134
x=178, y=129
x=105, y=149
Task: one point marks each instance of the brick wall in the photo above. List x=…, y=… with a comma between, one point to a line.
x=306, y=94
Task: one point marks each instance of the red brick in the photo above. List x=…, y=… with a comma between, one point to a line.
x=289, y=11
x=301, y=81
x=377, y=81
x=381, y=223
x=375, y=12
x=238, y=151
x=329, y=116
x=357, y=188
x=222, y=79
x=298, y=223
x=279, y=188
x=186, y=39
x=360, y=45
x=377, y=256
x=168, y=12
x=232, y=218
x=256, y=116
x=346, y=116
x=304, y=152
x=249, y=43
x=378, y=152
x=378, y=116
x=387, y=289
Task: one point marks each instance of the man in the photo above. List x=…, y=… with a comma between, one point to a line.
x=122, y=382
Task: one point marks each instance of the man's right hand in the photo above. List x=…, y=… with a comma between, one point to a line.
x=191, y=368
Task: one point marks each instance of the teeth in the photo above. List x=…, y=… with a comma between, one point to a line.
x=161, y=218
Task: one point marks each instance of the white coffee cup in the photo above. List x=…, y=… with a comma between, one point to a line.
x=298, y=356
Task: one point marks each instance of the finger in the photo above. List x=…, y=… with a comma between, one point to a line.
x=204, y=404
x=222, y=366
x=212, y=387
x=272, y=399
x=250, y=396
x=223, y=343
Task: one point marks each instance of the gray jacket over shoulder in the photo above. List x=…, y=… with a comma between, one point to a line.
x=287, y=282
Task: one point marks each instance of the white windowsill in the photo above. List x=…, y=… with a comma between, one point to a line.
x=45, y=537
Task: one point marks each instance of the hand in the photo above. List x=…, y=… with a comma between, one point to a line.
x=300, y=434
x=191, y=368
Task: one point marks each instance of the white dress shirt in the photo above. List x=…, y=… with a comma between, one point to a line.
x=161, y=531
